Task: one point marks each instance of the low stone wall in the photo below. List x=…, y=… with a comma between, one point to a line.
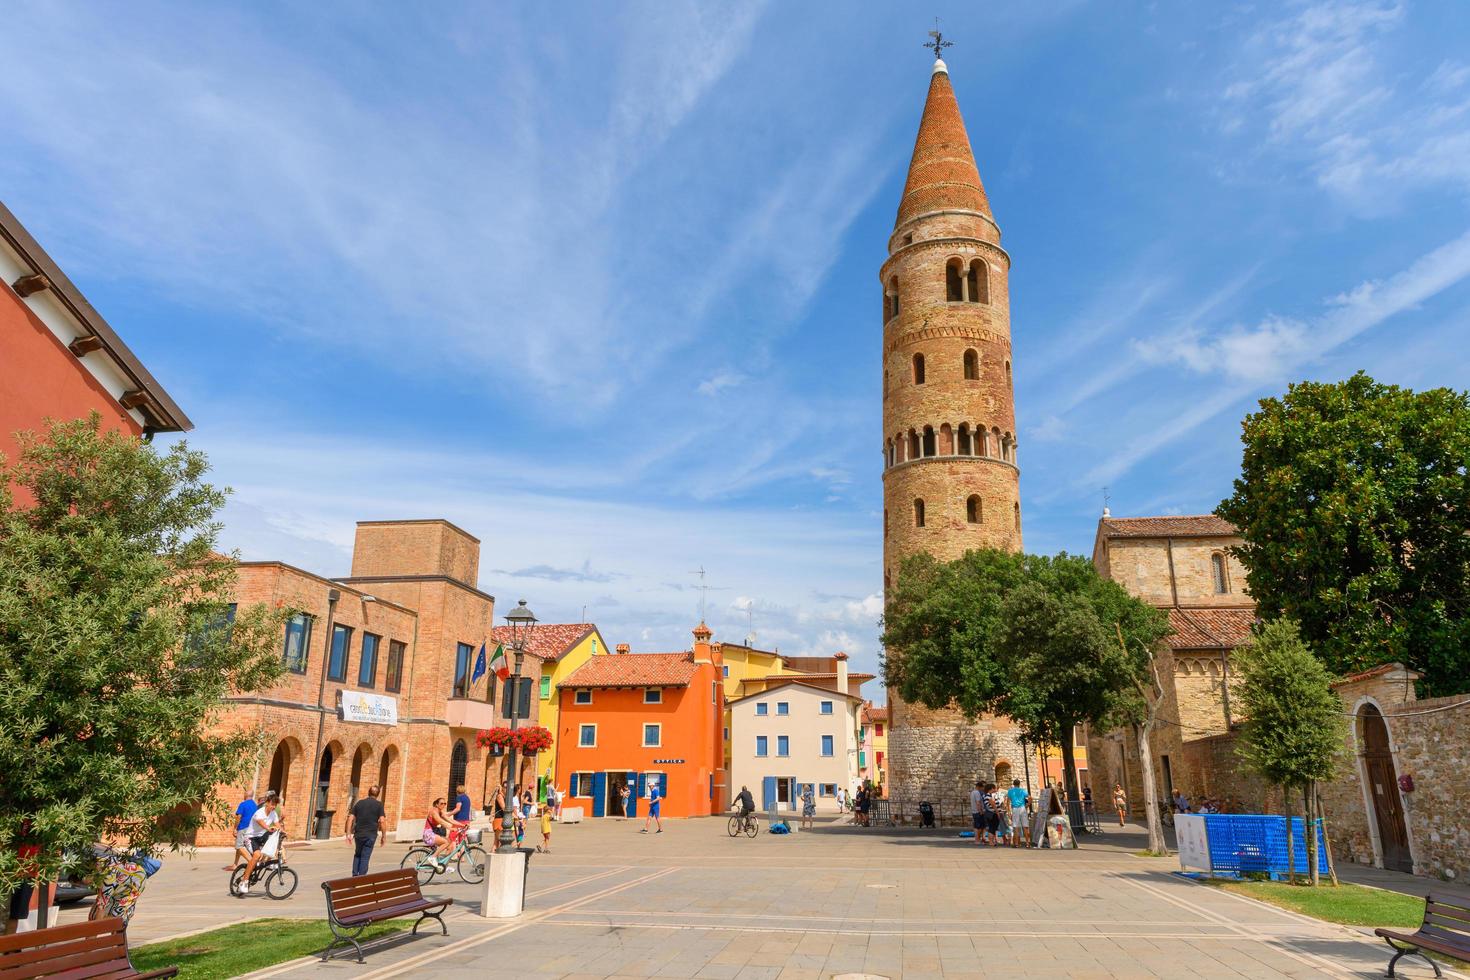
x=940, y=763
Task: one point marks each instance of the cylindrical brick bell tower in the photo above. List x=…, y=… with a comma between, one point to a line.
x=950, y=481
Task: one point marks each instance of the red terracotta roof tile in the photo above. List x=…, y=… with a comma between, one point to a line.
x=872, y=713
x=1210, y=629
x=942, y=173
x=1195, y=526
x=634, y=670
x=549, y=641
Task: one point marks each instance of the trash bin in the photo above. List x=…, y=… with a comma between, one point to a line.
x=323, y=828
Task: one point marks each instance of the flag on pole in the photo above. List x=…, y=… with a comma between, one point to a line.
x=479, y=670
x=498, y=664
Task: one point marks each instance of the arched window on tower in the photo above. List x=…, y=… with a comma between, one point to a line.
x=918, y=513
x=967, y=445
x=981, y=449
x=974, y=510
x=1018, y=515
x=972, y=366
x=913, y=452
x=978, y=280
x=918, y=369
x=995, y=443
x=954, y=273
x=930, y=449
x=1217, y=566
x=885, y=522
x=1008, y=373
x=946, y=440
x=888, y=453
x=891, y=306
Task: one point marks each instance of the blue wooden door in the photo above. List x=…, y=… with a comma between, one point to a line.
x=768, y=792
x=632, y=794
x=599, y=794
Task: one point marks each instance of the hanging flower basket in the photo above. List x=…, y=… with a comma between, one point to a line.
x=531, y=739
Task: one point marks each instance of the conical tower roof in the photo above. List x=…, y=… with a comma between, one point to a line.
x=942, y=173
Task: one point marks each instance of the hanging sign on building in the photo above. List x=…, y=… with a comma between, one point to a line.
x=367, y=709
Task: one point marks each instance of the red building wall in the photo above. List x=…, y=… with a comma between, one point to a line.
x=40, y=379
x=692, y=732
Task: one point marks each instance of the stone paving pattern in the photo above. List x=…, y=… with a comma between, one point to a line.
x=692, y=902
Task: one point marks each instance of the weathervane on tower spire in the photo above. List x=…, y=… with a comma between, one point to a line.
x=939, y=43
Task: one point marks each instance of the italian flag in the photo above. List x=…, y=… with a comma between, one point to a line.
x=498, y=664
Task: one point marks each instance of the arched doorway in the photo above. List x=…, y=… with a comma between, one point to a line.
x=385, y=772
x=459, y=760
x=355, y=788
x=1003, y=774
x=1382, y=787
x=324, y=786
x=280, y=770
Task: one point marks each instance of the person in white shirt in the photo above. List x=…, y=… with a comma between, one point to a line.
x=841, y=799
x=977, y=812
x=265, y=823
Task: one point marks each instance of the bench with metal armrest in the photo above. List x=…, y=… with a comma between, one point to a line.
x=353, y=904
x=1446, y=929
x=96, y=949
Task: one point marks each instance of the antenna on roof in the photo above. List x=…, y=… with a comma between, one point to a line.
x=1107, y=512
x=703, y=591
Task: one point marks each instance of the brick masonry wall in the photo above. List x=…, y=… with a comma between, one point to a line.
x=411, y=759
x=1141, y=565
x=941, y=762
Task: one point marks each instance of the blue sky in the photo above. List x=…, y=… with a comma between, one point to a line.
x=598, y=281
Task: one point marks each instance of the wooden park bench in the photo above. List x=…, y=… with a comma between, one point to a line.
x=353, y=904
x=1446, y=929
x=97, y=950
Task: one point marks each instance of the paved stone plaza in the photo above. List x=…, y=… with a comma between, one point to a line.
x=693, y=902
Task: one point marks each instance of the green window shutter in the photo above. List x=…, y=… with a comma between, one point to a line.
x=545, y=686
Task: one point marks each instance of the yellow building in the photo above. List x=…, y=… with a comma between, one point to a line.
x=561, y=649
x=873, y=744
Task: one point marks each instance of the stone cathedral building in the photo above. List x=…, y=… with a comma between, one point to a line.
x=950, y=479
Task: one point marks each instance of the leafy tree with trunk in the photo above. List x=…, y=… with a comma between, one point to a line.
x=1294, y=728
x=1353, y=502
x=1026, y=636
x=117, y=645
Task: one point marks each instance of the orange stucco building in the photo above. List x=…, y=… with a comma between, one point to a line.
x=627, y=719
x=59, y=359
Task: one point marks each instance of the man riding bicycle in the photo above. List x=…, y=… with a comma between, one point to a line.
x=746, y=801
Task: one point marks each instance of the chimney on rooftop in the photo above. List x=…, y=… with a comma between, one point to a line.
x=624, y=648
x=841, y=659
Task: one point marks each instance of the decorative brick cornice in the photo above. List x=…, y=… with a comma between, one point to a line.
x=950, y=243
x=950, y=459
x=984, y=335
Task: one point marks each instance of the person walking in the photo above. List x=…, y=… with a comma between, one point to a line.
x=462, y=807
x=977, y=812
x=1016, y=797
x=497, y=807
x=1120, y=802
x=841, y=800
x=808, y=807
x=624, y=795
x=653, y=802
x=366, y=824
x=243, y=813
x=992, y=822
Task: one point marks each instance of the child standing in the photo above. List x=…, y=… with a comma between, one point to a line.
x=545, y=846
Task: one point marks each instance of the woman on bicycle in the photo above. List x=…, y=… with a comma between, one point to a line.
x=437, y=821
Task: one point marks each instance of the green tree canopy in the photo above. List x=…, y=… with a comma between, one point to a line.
x=117, y=644
x=1294, y=727
x=1354, y=503
x=1030, y=637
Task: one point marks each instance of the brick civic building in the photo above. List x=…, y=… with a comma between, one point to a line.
x=378, y=688
x=59, y=358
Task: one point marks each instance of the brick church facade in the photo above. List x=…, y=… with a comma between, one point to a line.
x=950, y=480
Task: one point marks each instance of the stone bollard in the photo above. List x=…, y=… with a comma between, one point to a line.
x=503, y=895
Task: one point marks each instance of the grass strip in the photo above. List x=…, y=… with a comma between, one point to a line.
x=249, y=946
x=1348, y=905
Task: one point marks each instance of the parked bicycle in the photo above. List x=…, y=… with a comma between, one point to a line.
x=467, y=856
x=744, y=823
x=1166, y=812
x=280, y=881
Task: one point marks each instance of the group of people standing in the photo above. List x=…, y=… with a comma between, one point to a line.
x=997, y=814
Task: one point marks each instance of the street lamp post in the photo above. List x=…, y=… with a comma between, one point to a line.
x=521, y=620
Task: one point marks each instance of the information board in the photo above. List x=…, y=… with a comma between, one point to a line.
x=1193, y=840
